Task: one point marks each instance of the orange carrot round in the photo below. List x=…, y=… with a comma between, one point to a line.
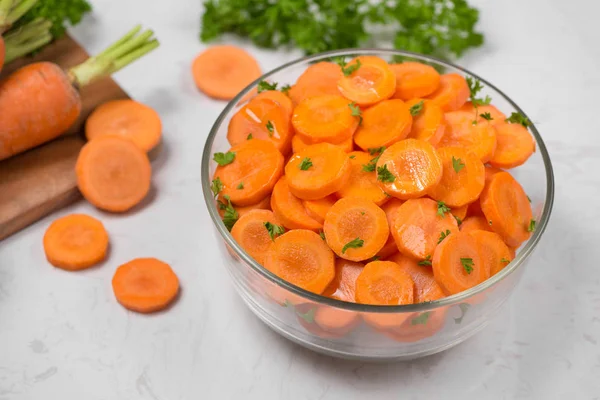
x=390, y=208
x=428, y=123
x=317, y=171
x=290, y=210
x=318, y=209
x=355, y=228
x=145, y=285
x=343, y=285
x=318, y=80
x=426, y=287
x=384, y=283
x=460, y=213
x=113, y=173
x=264, y=204
x=255, y=231
x=514, y=145
x=371, y=81
x=128, y=118
x=408, y=169
x=414, y=79
x=493, y=250
x=302, y=258
x=75, y=242
x=496, y=115
x=479, y=138
x=452, y=93
x=223, y=71
x=363, y=179
x=280, y=98
x=475, y=223
x=383, y=125
x=251, y=176
x=298, y=144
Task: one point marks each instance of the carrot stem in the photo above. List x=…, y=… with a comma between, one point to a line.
x=5, y=7
x=27, y=38
x=121, y=53
x=19, y=9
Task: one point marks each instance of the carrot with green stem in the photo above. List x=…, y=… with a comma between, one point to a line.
x=52, y=96
x=10, y=12
x=25, y=39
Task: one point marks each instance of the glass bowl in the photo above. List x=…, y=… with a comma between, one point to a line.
x=370, y=332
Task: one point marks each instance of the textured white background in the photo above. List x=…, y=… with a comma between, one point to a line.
x=62, y=336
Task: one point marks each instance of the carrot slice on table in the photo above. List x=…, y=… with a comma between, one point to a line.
x=462, y=180
x=251, y=176
x=324, y=119
x=302, y=258
x=383, y=125
x=113, y=173
x=290, y=210
x=506, y=207
x=458, y=263
x=128, y=118
x=318, y=209
x=475, y=223
x=145, y=285
x=264, y=204
x=420, y=225
x=75, y=242
x=255, y=231
x=414, y=79
x=280, y=98
x=514, y=145
x=355, y=228
x=479, y=138
x=496, y=115
x=223, y=71
x=493, y=250
x=298, y=144
x=428, y=122
x=363, y=179
x=318, y=80
x=343, y=285
x=409, y=168
x=452, y=93
x=262, y=118
x=317, y=171
x=426, y=287
x=371, y=81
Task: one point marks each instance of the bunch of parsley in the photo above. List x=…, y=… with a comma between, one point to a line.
x=59, y=12
x=445, y=28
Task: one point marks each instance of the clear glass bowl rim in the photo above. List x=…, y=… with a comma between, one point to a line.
x=421, y=307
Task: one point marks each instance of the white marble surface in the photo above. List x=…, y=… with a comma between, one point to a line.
x=62, y=335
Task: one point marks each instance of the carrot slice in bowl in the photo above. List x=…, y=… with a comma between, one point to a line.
x=290, y=210
x=493, y=249
x=383, y=125
x=478, y=138
x=363, y=179
x=299, y=144
x=317, y=80
x=343, y=285
x=248, y=172
x=414, y=79
x=255, y=231
x=496, y=115
x=75, y=242
x=318, y=209
x=302, y=258
x=355, y=228
x=409, y=168
x=317, y=171
x=264, y=204
x=426, y=287
x=452, y=93
x=514, y=145
x=475, y=223
x=280, y=98
x=367, y=80
x=428, y=121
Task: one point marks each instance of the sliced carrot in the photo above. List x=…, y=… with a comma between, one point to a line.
x=280, y=98
x=343, y=285
x=418, y=326
x=452, y=93
x=514, y=145
x=290, y=210
x=496, y=115
x=325, y=321
x=355, y=228
x=128, y=118
x=462, y=180
x=479, y=138
x=264, y=204
x=418, y=227
x=475, y=223
x=426, y=287
x=505, y=205
x=75, y=242
x=317, y=80
x=460, y=213
x=428, y=124
x=318, y=209
x=390, y=208
x=414, y=79
x=223, y=71
x=317, y=171
x=302, y=258
x=474, y=208
x=371, y=81
x=458, y=263
x=145, y=285
x=409, y=168
x=262, y=118
x=255, y=231
x=388, y=249
x=113, y=173
x=493, y=250
x=383, y=125
x=251, y=176
x=298, y=144
x=324, y=119
x=363, y=180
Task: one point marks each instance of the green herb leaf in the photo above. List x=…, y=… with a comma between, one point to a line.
x=322, y=234
x=384, y=175
x=264, y=85
x=61, y=13
x=374, y=258
x=356, y=112
x=443, y=235
x=230, y=216
x=270, y=128
x=376, y=150
x=487, y=116
x=475, y=86
x=458, y=220
x=348, y=70
x=467, y=264
x=481, y=102
x=417, y=108
x=353, y=244
x=240, y=186
x=224, y=158
x=426, y=261
x=249, y=136
x=352, y=157
x=529, y=198
x=421, y=319
x=531, y=226
x=285, y=89
x=518, y=118
x=309, y=316
x=216, y=186
x=274, y=230
x=442, y=208
x=505, y=261
x=341, y=61
x=457, y=164
x=305, y=164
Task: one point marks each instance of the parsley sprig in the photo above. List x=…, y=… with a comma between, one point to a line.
x=274, y=230
x=518, y=118
x=417, y=108
x=305, y=164
x=356, y=112
x=230, y=216
x=384, y=174
x=224, y=158
x=353, y=244
x=370, y=167
x=442, y=208
x=467, y=264
x=457, y=164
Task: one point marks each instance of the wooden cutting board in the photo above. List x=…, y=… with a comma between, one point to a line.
x=36, y=183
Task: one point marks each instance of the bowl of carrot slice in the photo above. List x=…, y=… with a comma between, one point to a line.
x=376, y=204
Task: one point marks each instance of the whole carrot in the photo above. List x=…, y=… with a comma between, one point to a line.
x=40, y=101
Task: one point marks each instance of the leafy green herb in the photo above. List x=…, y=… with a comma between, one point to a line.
x=463, y=311
x=341, y=61
x=308, y=316
x=352, y=157
x=249, y=136
x=421, y=319
x=531, y=226
x=487, y=116
x=458, y=220
x=370, y=167
x=442, y=208
x=60, y=12
x=224, y=158
x=270, y=128
x=475, y=87
x=356, y=112
x=305, y=164
x=285, y=89
x=216, y=186
x=374, y=258
x=457, y=164
x=322, y=234
x=518, y=118
x=467, y=264
x=264, y=85
x=426, y=261
x=443, y=235
x=384, y=175
x=481, y=102
x=362, y=213
x=230, y=216
x=417, y=108
x=376, y=150
x=348, y=70
x=505, y=261
x=240, y=186
x=353, y=244
x=274, y=230
x=529, y=198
